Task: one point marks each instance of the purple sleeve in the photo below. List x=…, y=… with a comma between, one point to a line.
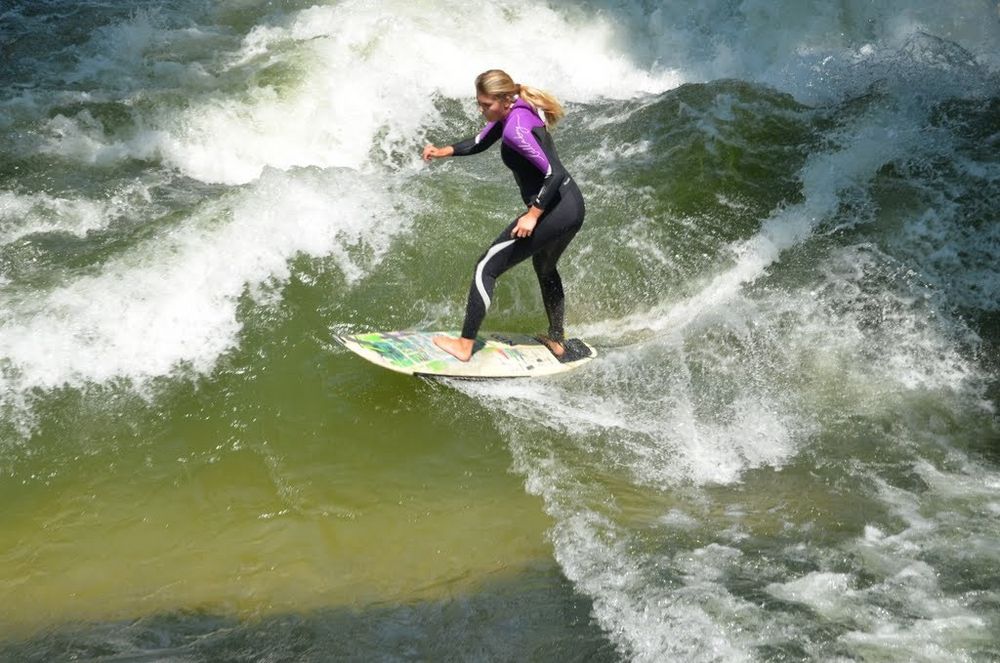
x=519, y=136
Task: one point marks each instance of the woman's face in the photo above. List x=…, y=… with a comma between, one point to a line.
x=492, y=108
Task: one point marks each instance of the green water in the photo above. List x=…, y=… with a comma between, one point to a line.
x=786, y=450
x=270, y=493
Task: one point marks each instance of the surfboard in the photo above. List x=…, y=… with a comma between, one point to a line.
x=496, y=355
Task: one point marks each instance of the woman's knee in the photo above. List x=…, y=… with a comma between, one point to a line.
x=545, y=265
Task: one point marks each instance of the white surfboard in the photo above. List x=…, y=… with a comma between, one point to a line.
x=496, y=355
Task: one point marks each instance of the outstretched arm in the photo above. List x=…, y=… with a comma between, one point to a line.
x=490, y=134
x=434, y=152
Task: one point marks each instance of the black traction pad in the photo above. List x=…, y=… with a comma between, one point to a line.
x=573, y=350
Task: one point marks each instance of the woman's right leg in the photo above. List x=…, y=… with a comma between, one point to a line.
x=553, y=233
x=500, y=257
x=503, y=254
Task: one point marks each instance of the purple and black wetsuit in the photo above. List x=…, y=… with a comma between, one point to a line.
x=527, y=149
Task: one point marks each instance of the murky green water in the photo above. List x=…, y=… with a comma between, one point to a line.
x=787, y=450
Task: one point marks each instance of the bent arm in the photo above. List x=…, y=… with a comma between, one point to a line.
x=554, y=178
x=531, y=142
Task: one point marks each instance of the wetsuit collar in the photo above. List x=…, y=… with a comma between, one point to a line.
x=521, y=103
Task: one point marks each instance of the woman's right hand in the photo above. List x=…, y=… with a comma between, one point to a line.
x=433, y=152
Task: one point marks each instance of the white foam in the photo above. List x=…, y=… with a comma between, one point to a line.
x=647, y=620
x=679, y=519
x=810, y=48
x=359, y=88
x=22, y=215
x=361, y=84
x=172, y=301
x=629, y=419
x=367, y=82
x=130, y=58
x=865, y=147
x=640, y=415
x=635, y=418
x=824, y=592
x=956, y=251
x=937, y=623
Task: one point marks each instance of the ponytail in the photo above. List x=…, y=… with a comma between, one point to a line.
x=544, y=102
x=497, y=83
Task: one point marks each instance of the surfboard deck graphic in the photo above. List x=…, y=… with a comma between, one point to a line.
x=497, y=354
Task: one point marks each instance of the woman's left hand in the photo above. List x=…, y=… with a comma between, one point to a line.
x=526, y=224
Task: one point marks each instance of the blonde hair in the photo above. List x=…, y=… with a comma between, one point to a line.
x=497, y=83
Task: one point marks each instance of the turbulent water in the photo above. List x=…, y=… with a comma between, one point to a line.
x=788, y=449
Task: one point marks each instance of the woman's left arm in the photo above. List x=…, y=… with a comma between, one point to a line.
x=527, y=222
x=535, y=144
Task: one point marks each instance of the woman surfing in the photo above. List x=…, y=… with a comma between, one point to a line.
x=519, y=117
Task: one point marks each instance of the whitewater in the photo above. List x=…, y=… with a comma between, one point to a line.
x=788, y=449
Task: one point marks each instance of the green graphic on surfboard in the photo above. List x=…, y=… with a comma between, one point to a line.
x=497, y=355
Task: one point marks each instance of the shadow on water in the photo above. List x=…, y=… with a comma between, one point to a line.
x=536, y=615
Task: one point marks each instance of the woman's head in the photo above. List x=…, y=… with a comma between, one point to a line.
x=497, y=83
x=496, y=92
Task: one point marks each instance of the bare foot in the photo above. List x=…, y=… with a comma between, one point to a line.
x=460, y=348
x=555, y=347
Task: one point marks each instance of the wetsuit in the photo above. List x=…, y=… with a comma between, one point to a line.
x=527, y=149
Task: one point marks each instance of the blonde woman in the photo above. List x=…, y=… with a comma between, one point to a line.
x=518, y=115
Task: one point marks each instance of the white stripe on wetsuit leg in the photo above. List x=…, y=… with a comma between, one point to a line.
x=495, y=249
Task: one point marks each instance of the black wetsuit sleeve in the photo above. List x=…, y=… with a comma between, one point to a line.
x=554, y=175
x=489, y=135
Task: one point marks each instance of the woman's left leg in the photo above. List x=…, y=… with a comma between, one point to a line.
x=553, y=297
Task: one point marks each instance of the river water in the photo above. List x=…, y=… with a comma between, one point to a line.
x=788, y=449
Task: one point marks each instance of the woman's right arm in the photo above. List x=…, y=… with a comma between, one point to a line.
x=433, y=152
x=489, y=135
